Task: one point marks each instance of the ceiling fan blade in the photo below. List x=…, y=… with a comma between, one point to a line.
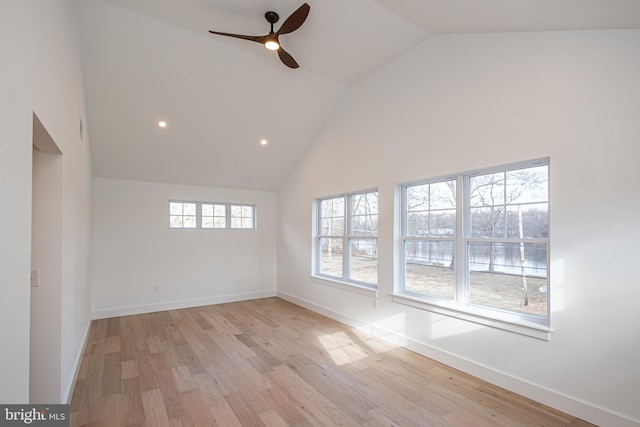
x=287, y=59
x=295, y=20
x=259, y=39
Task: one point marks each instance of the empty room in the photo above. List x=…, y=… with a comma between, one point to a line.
x=273, y=213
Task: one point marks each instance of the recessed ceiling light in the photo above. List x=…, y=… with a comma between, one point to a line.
x=162, y=124
x=263, y=142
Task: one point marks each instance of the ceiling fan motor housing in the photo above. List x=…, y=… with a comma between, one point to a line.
x=272, y=17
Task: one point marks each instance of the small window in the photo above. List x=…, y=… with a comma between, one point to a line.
x=241, y=216
x=211, y=215
x=347, y=240
x=214, y=216
x=182, y=215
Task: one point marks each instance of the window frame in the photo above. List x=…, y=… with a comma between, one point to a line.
x=461, y=306
x=199, y=215
x=347, y=238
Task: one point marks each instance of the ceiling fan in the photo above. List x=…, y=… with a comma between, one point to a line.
x=270, y=41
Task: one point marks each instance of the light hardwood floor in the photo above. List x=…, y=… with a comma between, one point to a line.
x=271, y=363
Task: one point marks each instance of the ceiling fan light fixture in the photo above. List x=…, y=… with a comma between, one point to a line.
x=272, y=45
x=270, y=41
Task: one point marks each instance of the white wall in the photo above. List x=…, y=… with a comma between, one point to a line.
x=15, y=191
x=134, y=249
x=461, y=102
x=41, y=73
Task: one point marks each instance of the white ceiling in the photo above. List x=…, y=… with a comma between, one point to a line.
x=151, y=60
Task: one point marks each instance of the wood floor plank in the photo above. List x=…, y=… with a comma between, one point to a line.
x=242, y=408
x=113, y=327
x=128, y=369
x=183, y=378
x=112, y=377
x=132, y=406
x=270, y=363
x=313, y=401
x=271, y=418
x=154, y=411
x=171, y=395
x=197, y=409
x=110, y=411
x=339, y=393
x=224, y=415
x=290, y=410
x=146, y=371
x=209, y=388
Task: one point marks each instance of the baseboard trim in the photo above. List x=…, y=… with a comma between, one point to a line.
x=68, y=393
x=174, y=305
x=559, y=401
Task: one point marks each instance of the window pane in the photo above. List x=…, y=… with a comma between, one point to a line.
x=242, y=216
x=331, y=256
x=364, y=260
x=443, y=223
x=332, y=207
x=418, y=223
x=443, y=195
x=529, y=185
x=429, y=268
x=532, y=219
x=175, y=221
x=175, y=208
x=189, y=221
x=219, y=222
x=509, y=276
x=487, y=190
x=418, y=198
x=431, y=209
x=364, y=204
x=207, y=222
x=333, y=226
x=189, y=209
x=364, y=225
x=207, y=210
x=219, y=210
x=364, y=214
x=487, y=222
x=332, y=217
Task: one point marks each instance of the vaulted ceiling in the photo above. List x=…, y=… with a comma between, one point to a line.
x=152, y=60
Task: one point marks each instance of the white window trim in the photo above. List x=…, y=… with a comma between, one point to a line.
x=363, y=289
x=477, y=315
x=460, y=308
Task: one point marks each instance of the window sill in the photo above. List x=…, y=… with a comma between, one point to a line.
x=352, y=287
x=521, y=327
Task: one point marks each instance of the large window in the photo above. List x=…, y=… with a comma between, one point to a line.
x=479, y=242
x=347, y=241
x=205, y=215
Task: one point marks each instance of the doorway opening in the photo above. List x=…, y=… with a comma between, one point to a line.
x=46, y=269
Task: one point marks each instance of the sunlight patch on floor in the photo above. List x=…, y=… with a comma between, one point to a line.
x=341, y=348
